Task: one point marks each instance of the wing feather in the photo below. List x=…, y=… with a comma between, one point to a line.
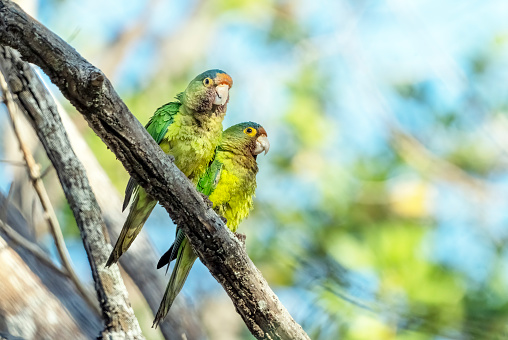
x=157, y=127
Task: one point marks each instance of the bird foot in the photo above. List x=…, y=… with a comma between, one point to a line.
x=241, y=238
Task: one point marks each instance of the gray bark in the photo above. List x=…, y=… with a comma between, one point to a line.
x=92, y=94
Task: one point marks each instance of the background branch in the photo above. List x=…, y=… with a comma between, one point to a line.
x=128, y=36
x=35, y=178
x=31, y=247
x=92, y=94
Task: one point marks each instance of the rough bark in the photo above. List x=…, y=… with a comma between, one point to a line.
x=120, y=322
x=30, y=288
x=139, y=262
x=91, y=93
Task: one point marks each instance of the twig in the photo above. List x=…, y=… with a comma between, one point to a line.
x=33, y=248
x=423, y=160
x=3, y=210
x=128, y=36
x=34, y=174
x=18, y=239
x=46, y=171
x=15, y=163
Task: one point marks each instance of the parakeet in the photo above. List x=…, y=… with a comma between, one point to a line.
x=230, y=183
x=190, y=129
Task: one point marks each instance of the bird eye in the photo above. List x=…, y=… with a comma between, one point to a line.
x=250, y=131
x=207, y=81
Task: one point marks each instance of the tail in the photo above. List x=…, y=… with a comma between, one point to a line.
x=141, y=208
x=183, y=265
x=172, y=253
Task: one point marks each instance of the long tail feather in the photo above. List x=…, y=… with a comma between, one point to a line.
x=183, y=265
x=172, y=253
x=166, y=258
x=141, y=208
x=129, y=190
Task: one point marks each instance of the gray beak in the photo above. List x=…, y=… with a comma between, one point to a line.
x=262, y=144
x=222, y=94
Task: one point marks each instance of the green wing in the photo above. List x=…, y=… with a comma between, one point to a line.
x=157, y=127
x=208, y=182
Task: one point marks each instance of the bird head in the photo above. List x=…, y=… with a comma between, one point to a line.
x=208, y=92
x=248, y=137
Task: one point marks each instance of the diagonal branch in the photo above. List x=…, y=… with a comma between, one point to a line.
x=32, y=247
x=91, y=93
x=20, y=240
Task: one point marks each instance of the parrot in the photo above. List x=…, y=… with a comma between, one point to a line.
x=230, y=184
x=189, y=129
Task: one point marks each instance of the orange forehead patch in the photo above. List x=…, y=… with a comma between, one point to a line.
x=262, y=131
x=223, y=78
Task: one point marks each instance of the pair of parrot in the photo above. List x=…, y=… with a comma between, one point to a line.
x=222, y=165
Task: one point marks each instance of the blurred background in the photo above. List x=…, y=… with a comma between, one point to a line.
x=381, y=208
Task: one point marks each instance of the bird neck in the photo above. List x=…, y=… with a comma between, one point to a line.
x=238, y=158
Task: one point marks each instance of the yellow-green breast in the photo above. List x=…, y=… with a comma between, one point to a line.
x=233, y=196
x=193, y=143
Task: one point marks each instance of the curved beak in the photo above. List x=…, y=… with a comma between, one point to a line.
x=262, y=144
x=221, y=95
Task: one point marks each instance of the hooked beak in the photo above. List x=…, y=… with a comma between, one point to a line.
x=221, y=96
x=262, y=144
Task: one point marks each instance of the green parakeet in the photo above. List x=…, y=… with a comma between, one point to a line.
x=190, y=129
x=230, y=183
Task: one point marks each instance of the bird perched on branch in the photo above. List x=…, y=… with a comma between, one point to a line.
x=230, y=183
x=189, y=129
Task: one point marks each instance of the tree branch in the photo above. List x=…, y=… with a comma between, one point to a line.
x=91, y=93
